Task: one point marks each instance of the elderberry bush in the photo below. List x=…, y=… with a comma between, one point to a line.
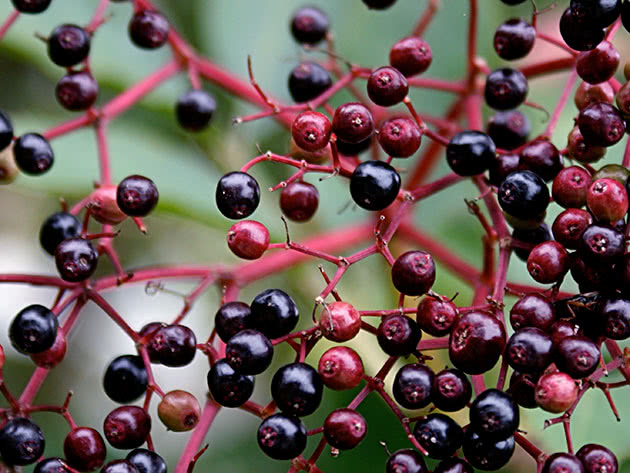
x=191, y=188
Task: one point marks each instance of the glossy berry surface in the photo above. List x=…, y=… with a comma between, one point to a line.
x=411, y=56
x=453, y=465
x=514, y=39
x=309, y=25
x=494, y=415
x=570, y=187
x=33, y=329
x=249, y=352
x=248, y=239
x=505, y=88
x=308, y=81
x=340, y=368
x=502, y=166
x=6, y=131
x=601, y=244
x=580, y=150
x=523, y=194
x=413, y=386
x=231, y=318
x=127, y=427
x=21, y=442
x=541, y=157
x=227, y=386
x=548, y=262
x=556, y=392
x=68, y=45
x=125, y=379
x=137, y=195
x=532, y=310
x=578, y=356
x=51, y=465
x=399, y=137
x=522, y=388
x=601, y=124
x=509, y=129
x=194, y=110
x=84, y=449
x=398, y=335
x=282, y=436
x=614, y=317
x=440, y=435
x=311, y=130
x=340, y=321
x=597, y=459
x=607, y=200
x=436, y=316
x=353, y=122
x=600, y=13
x=599, y=64
x=413, y=273
x=274, y=313
x=148, y=29
x=451, y=390
x=76, y=91
x=379, y=4
x=345, y=428
x=179, y=411
x=174, y=345
x=33, y=154
x=476, y=342
x=562, y=463
x=119, y=466
x=76, y=259
x=529, y=350
x=237, y=195
x=406, y=460
x=299, y=201
x=297, y=389
x=577, y=33
x=31, y=6
x=374, y=185
x=146, y=461
x=487, y=454
x=532, y=237
x=470, y=152
x=387, y=86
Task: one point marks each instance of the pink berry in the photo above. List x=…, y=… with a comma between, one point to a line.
x=607, y=200
x=556, y=392
x=248, y=239
x=340, y=322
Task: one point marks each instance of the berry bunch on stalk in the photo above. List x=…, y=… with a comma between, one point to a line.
x=550, y=350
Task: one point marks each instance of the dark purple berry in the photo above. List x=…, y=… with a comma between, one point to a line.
x=147, y=461
x=413, y=273
x=231, y=318
x=125, y=379
x=194, y=109
x=487, y=454
x=599, y=64
x=470, y=152
x=148, y=29
x=502, y=166
x=476, y=342
x=379, y=4
x=345, y=428
x=529, y=350
x=615, y=317
x=282, y=436
x=601, y=245
x=68, y=45
x=237, y=195
x=532, y=310
x=562, y=463
x=353, y=122
x=514, y=39
x=406, y=460
x=413, y=386
x=440, y=435
x=137, y=195
x=523, y=389
x=509, y=129
x=84, y=449
x=21, y=442
x=119, y=466
x=249, y=352
x=541, y=157
x=6, y=131
x=274, y=313
x=33, y=330
x=52, y=465
x=31, y=6
x=33, y=154
x=582, y=151
x=229, y=387
x=578, y=356
x=601, y=13
x=494, y=415
x=579, y=33
x=309, y=25
x=299, y=201
x=399, y=137
x=601, y=124
x=411, y=56
x=435, y=316
x=76, y=91
x=597, y=459
x=530, y=237
x=173, y=345
x=398, y=335
x=548, y=262
x=505, y=89
x=127, y=427
x=523, y=194
x=453, y=465
x=374, y=185
x=307, y=81
x=451, y=390
x=297, y=389
x=76, y=259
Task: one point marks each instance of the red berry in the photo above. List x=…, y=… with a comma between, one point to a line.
x=532, y=310
x=84, y=449
x=476, y=342
x=353, y=122
x=311, y=130
x=599, y=64
x=582, y=151
x=248, y=239
x=570, y=187
x=340, y=321
x=568, y=227
x=148, y=29
x=436, y=316
x=411, y=56
x=127, y=427
x=386, y=86
x=399, y=137
x=345, y=428
x=340, y=368
x=607, y=200
x=601, y=124
x=548, y=262
x=413, y=273
x=54, y=355
x=299, y=201
x=541, y=157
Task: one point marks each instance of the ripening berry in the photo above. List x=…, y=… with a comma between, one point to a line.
x=411, y=56
x=248, y=239
x=599, y=64
x=127, y=427
x=148, y=29
x=548, y=262
x=386, y=86
x=353, y=122
x=339, y=321
x=345, y=428
x=104, y=206
x=299, y=201
x=311, y=130
x=413, y=273
x=340, y=368
x=76, y=259
x=476, y=342
x=399, y=137
x=179, y=411
x=587, y=93
x=84, y=449
x=54, y=355
x=607, y=200
x=76, y=91
x=309, y=25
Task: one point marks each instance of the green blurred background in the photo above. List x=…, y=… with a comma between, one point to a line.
x=188, y=228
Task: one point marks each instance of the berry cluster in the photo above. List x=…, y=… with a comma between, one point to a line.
x=557, y=346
